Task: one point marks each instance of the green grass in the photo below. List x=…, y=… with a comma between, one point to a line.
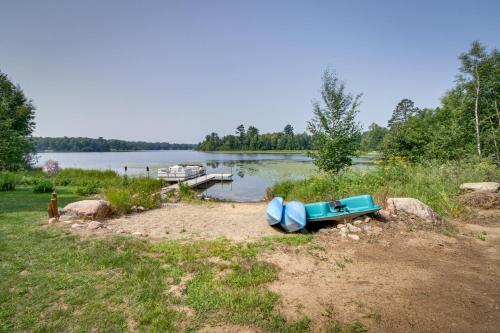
x=52, y=281
x=436, y=184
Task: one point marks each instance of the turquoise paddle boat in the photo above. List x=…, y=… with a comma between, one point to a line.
x=294, y=215
x=340, y=210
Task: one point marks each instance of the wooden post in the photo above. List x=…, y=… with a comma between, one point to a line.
x=52, y=210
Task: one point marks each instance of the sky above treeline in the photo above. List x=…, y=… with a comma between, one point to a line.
x=177, y=70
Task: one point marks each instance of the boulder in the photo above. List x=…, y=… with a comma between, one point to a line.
x=491, y=187
x=411, y=206
x=90, y=209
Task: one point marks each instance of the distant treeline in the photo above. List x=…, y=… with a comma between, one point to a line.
x=66, y=144
x=251, y=139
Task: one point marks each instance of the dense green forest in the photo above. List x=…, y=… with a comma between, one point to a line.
x=467, y=122
x=251, y=139
x=66, y=144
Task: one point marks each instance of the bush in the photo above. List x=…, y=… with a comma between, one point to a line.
x=51, y=167
x=8, y=181
x=42, y=185
x=131, y=192
x=88, y=188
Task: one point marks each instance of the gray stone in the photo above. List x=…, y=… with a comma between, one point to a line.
x=367, y=219
x=95, y=225
x=491, y=187
x=353, y=237
x=140, y=209
x=357, y=221
x=412, y=207
x=340, y=225
x=343, y=232
x=353, y=228
x=77, y=226
x=91, y=209
x=137, y=234
x=384, y=214
x=366, y=228
x=324, y=230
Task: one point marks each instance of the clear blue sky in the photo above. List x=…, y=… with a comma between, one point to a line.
x=177, y=70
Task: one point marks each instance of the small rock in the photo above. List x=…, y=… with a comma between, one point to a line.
x=358, y=220
x=77, y=226
x=343, y=232
x=95, y=225
x=340, y=226
x=353, y=237
x=367, y=219
x=53, y=220
x=140, y=209
x=366, y=228
x=121, y=231
x=384, y=214
x=137, y=234
x=353, y=228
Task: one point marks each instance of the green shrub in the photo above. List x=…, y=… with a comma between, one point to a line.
x=42, y=185
x=8, y=181
x=139, y=191
x=88, y=188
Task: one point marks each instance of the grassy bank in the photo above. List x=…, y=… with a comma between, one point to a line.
x=436, y=184
x=123, y=192
x=52, y=281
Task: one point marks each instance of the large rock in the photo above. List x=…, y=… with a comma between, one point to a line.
x=89, y=209
x=491, y=187
x=411, y=206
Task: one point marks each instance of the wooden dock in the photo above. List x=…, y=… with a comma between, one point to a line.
x=196, y=182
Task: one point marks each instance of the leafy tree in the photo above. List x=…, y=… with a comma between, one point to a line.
x=473, y=70
x=253, y=140
x=334, y=128
x=372, y=139
x=240, y=131
x=403, y=111
x=288, y=130
x=16, y=126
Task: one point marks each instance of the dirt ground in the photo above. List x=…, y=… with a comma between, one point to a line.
x=399, y=277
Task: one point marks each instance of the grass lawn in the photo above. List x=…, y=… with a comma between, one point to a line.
x=51, y=281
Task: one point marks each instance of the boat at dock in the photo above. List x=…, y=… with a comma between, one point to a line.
x=181, y=172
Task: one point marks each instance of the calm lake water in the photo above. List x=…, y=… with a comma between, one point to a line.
x=252, y=173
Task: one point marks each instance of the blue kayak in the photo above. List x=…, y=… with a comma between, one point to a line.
x=294, y=217
x=274, y=211
x=341, y=210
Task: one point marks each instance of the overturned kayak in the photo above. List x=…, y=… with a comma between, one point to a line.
x=274, y=212
x=341, y=210
x=294, y=216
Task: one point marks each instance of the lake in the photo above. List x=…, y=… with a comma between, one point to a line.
x=252, y=173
